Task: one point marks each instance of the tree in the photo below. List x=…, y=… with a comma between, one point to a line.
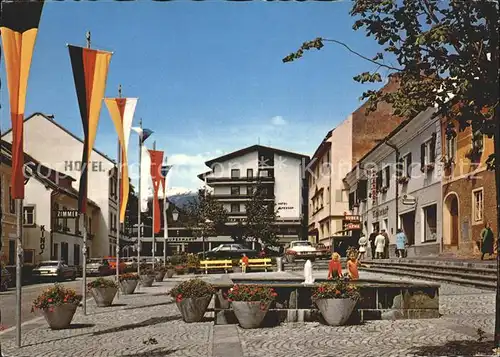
x=447, y=54
x=261, y=218
x=205, y=216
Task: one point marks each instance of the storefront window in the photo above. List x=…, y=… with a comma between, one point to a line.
x=430, y=223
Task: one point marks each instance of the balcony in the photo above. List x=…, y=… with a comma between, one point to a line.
x=242, y=180
x=230, y=197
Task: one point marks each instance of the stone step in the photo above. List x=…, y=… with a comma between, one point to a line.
x=466, y=281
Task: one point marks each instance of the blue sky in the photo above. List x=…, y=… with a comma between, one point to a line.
x=208, y=75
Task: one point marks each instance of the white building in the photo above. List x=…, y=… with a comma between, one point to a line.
x=411, y=200
x=57, y=148
x=282, y=173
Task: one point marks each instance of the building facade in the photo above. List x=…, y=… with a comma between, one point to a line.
x=339, y=151
x=8, y=207
x=58, y=149
x=469, y=189
x=398, y=185
x=281, y=173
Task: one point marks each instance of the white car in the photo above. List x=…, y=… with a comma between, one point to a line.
x=300, y=249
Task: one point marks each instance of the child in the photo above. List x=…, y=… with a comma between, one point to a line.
x=352, y=268
x=334, y=267
x=244, y=263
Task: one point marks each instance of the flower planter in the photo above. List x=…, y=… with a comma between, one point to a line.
x=159, y=276
x=250, y=314
x=59, y=317
x=128, y=286
x=193, y=309
x=170, y=273
x=336, y=312
x=147, y=280
x=103, y=296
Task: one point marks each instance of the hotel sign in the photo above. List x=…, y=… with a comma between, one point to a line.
x=351, y=222
x=67, y=213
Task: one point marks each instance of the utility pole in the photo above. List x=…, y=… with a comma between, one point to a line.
x=153, y=220
x=139, y=208
x=118, y=201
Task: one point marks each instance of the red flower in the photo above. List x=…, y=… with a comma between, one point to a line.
x=49, y=300
x=179, y=297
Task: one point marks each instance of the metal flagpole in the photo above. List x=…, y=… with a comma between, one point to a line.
x=153, y=220
x=19, y=204
x=165, y=221
x=84, y=250
x=139, y=204
x=118, y=202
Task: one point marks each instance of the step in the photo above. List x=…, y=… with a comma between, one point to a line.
x=453, y=271
x=441, y=278
x=482, y=265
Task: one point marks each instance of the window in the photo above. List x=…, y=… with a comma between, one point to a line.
x=235, y=207
x=428, y=152
x=12, y=202
x=386, y=177
x=64, y=252
x=235, y=173
x=29, y=256
x=478, y=205
x=328, y=195
x=76, y=254
x=55, y=252
x=362, y=190
x=351, y=200
x=29, y=215
x=263, y=173
x=250, y=173
x=250, y=190
x=430, y=223
x=451, y=148
x=77, y=225
x=235, y=190
x=406, y=165
x=65, y=221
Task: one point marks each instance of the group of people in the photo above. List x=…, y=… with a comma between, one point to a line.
x=335, y=267
x=379, y=244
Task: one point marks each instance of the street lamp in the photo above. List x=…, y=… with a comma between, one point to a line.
x=207, y=221
x=175, y=215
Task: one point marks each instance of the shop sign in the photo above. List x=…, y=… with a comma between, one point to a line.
x=67, y=213
x=380, y=212
x=352, y=218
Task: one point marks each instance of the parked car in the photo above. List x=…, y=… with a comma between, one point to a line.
x=6, y=280
x=54, y=270
x=322, y=251
x=98, y=266
x=130, y=264
x=112, y=264
x=229, y=251
x=300, y=249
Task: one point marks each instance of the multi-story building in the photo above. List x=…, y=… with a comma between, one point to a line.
x=334, y=158
x=469, y=189
x=57, y=148
x=282, y=174
x=398, y=185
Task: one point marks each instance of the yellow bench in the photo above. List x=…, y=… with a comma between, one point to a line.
x=216, y=264
x=258, y=263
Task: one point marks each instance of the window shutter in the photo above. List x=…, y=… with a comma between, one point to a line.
x=379, y=180
x=432, y=154
x=351, y=200
x=362, y=190
x=422, y=156
x=408, y=167
x=338, y=196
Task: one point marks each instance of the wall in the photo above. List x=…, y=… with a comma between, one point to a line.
x=9, y=223
x=288, y=185
x=244, y=162
x=56, y=149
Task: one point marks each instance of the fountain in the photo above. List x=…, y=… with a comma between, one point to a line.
x=308, y=273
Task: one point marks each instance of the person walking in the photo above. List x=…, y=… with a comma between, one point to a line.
x=379, y=246
x=335, y=267
x=363, y=242
x=487, y=239
x=401, y=243
x=371, y=239
x=386, y=246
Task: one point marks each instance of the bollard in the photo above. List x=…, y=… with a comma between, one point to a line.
x=279, y=264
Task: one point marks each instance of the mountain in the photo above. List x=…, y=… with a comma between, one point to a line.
x=182, y=199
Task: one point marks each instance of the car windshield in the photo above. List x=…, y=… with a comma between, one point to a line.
x=48, y=264
x=302, y=244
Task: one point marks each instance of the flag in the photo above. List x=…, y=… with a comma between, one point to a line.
x=156, y=162
x=19, y=28
x=143, y=133
x=122, y=111
x=145, y=173
x=90, y=71
x=164, y=172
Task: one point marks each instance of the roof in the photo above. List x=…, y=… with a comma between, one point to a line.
x=204, y=174
x=48, y=118
x=325, y=144
x=47, y=176
x=253, y=148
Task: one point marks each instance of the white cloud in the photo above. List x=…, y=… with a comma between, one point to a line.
x=278, y=120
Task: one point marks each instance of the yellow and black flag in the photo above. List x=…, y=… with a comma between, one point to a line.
x=90, y=71
x=19, y=27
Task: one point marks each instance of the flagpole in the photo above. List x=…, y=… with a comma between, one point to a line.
x=19, y=204
x=165, y=221
x=118, y=202
x=139, y=204
x=153, y=220
x=84, y=217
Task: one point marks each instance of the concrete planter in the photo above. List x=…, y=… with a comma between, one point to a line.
x=170, y=273
x=59, y=317
x=237, y=269
x=193, y=309
x=250, y=314
x=103, y=296
x=128, y=286
x=159, y=276
x=147, y=280
x=336, y=312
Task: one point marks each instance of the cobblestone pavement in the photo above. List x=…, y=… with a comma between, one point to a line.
x=124, y=330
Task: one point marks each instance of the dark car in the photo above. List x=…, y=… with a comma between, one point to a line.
x=229, y=251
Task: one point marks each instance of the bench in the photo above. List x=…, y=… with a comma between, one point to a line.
x=216, y=264
x=258, y=263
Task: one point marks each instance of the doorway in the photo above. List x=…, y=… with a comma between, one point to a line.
x=451, y=212
x=408, y=226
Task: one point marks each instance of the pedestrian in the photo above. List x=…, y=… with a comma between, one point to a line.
x=363, y=242
x=244, y=263
x=400, y=243
x=379, y=246
x=487, y=239
x=334, y=267
x=386, y=246
x=372, y=237
x=352, y=267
